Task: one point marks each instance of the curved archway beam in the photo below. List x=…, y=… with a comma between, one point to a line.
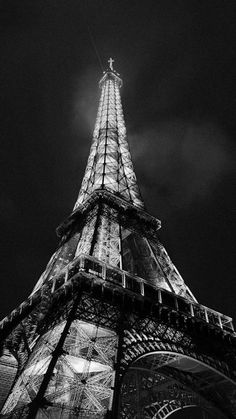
x=208, y=387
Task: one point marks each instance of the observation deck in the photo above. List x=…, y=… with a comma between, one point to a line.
x=84, y=266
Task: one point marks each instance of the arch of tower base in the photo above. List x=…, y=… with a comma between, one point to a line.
x=160, y=383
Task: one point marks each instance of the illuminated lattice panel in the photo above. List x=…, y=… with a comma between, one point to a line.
x=83, y=375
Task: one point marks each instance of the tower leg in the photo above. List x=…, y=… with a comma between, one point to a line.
x=117, y=384
x=39, y=400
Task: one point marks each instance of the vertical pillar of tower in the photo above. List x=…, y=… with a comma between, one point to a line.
x=114, y=414
x=96, y=227
x=39, y=400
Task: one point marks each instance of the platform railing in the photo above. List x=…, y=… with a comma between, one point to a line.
x=137, y=285
x=133, y=284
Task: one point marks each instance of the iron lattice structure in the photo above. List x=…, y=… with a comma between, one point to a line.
x=111, y=330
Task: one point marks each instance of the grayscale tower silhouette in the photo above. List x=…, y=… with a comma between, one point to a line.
x=111, y=330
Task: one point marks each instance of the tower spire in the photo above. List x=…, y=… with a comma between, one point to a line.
x=109, y=165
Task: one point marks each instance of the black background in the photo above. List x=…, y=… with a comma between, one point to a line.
x=177, y=61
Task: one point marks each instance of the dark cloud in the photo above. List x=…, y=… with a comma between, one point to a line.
x=186, y=161
x=84, y=104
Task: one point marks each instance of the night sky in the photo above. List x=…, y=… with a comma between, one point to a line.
x=177, y=61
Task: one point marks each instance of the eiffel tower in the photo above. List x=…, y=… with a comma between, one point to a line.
x=111, y=330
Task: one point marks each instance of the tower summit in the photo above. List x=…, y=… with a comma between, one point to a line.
x=111, y=330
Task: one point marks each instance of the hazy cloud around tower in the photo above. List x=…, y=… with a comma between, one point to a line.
x=185, y=161
x=85, y=100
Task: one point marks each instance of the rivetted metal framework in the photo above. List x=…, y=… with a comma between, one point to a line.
x=111, y=330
